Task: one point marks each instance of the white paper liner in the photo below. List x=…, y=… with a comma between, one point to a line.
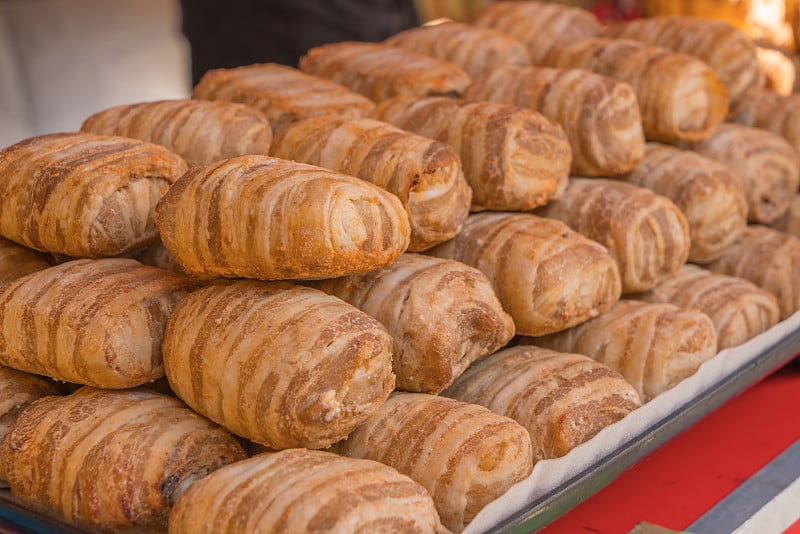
x=550, y=474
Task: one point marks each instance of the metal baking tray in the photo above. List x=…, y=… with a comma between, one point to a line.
x=16, y=519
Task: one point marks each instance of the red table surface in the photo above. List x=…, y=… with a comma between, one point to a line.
x=680, y=481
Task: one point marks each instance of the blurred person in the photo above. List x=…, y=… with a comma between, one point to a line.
x=242, y=32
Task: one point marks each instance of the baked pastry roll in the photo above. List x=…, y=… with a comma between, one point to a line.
x=111, y=460
x=768, y=258
x=423, y=173
x=645, y=233
x=17, y=391
x=546, y=276
x=278, y=364
x=777, y=69
x=281, y=93
x=790, y=222
x=654, y=346
x=562, y=399
x=766, y=164
x=514, y=158
x=764, y=108
x=442, y=316
x=267, y=218
x=299, y=490
x=680, y=97
x=16, y=261
x=380, y=71
x=739, y=309
x=475, y=50
x=197, y=130
x=606, y=136
x=93, y=322
x=720, y=45
x=463, y=454
x=543, y=27
x=708, y=193
x=83, y=195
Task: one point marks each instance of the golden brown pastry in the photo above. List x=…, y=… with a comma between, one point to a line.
x=299, y=490
x=281, y=93
x=442, y=316
x=267, y=218
x=199, y=131
x=768, y=258
x=777, y=69
x=654, y=346
x=708, y=193
x=546, y=276
x=606, y=136
x=16, y=261
x=476, y=50
x=93, y=322
x=380, y=71
x=766, y=164
x=543, y=27
x=739, y=309
x=679, y=96
x=279, y=364
x=463, y=454
x=724, y=48
x=111, y=460
x=17, y=391
x=424, y=174
x=645, y=233
x=514, y=158
x=83, y=195
x=764, y=108
x=562, y=399
x=790, y=222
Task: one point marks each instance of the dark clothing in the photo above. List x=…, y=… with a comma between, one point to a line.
x=242, y=32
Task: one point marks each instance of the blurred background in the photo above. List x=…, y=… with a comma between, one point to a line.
x=61, y=60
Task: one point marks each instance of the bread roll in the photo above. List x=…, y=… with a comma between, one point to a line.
x=790, y=222
x=281, y=93
x=266, y=218
x=606, y=136
x=514, y=159
x=708, y=193
x=764, y=108
x=645, y=233
x=475, y=50
x=197, y=130
x=111, y=460
x=442, y=316
x=463, y=454
x=424, y=174
x=778, y=69
x=766, y=164
x=543, y=27
x=380, y=71
x=17, y=391
x=16, y=261
x=768, y=258
x=654, y=346
x=739, y=309
x=281, y=365
x=546, y=276
x=83, y=195
x=562, y=399
x=680, y=97
x=93, y=322
x=724, y=48
x=304, y=491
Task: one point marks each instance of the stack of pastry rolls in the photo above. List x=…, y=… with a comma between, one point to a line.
x=331, y=261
